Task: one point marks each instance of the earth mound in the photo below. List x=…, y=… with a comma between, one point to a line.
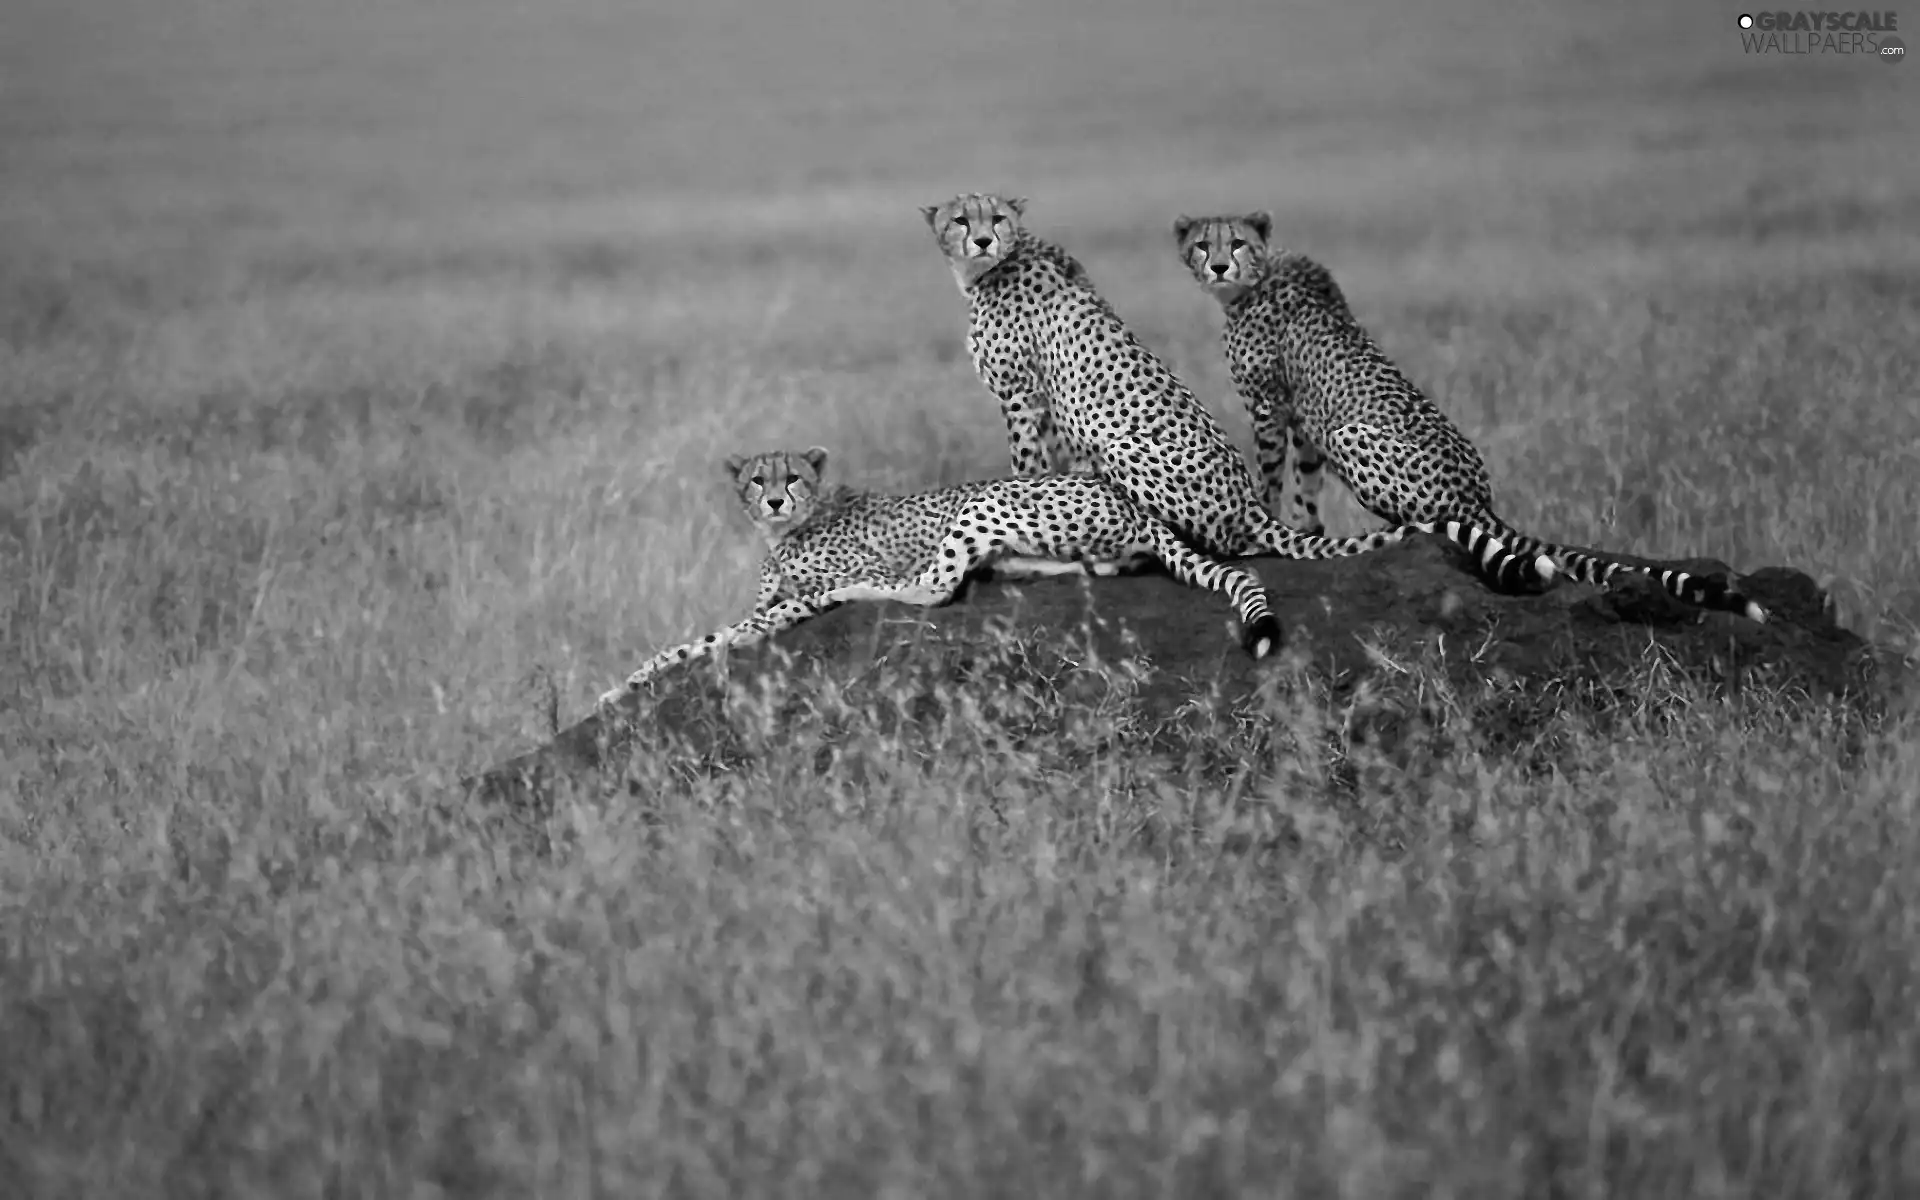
x=1347, y=621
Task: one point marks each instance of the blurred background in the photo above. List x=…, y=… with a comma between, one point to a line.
x=1380, y=125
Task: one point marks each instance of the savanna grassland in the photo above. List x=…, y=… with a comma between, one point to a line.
x=364, y=368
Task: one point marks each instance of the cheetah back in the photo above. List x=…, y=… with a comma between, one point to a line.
x=1288, y=341
x=1115, y=406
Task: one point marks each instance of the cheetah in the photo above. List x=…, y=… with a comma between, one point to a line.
x=1080, y=393
x=1313, y=380
x=830, y=545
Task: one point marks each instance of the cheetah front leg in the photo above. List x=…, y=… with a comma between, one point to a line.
x=756, y=628
x=1290, y=464
x=769, y=587
x=1067, y=459
x=1308, y=476
x=1038, y=447
x=1063, y=456
x=1032, y=440
x=1270, y=425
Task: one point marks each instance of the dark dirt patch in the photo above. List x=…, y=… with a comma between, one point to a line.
x=1410, y=612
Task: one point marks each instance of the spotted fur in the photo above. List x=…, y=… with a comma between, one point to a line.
x=1314, y=381
x=1080, y=393
x=827, y=546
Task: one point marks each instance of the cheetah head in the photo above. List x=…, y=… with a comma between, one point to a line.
x=1228, y=254
x=777, y=488
x=976, y=232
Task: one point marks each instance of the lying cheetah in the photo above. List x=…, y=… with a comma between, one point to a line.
x=1080, y=393
x=829, y=546
x=1312, y=377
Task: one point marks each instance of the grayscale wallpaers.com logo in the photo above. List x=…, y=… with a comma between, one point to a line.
x=1869, y=34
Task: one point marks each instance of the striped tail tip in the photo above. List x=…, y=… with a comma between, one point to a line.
x=1711, y=593
x=1262, y=636
x=1546, y=568
x=1733, y=601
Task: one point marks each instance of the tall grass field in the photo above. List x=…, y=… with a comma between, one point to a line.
x=365, y=372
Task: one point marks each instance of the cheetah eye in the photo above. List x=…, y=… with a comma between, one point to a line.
x=759, y=481
x=1238, y=244
x=792, y=479
x=1200, y=248
x=999, y=219
x=960, y=221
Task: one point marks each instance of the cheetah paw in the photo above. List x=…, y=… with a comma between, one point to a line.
x=1108, y=568
x=624, y=696
x=923, y=596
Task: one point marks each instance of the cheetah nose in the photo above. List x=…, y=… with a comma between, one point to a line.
x=983, y=242
x=774, y=503
x=1219, y=268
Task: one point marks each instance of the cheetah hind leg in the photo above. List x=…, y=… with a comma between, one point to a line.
x=1373, y=460
x=1260, y=631
x=1252, y=532
x=1020, y=566
x=758, y=627
x=969, y=545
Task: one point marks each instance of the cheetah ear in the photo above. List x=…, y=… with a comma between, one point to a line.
x=932, y=213
x=733, y=463
x=816, y=457
x=1182, y=226
x=1018, y=204
x=1261, y=222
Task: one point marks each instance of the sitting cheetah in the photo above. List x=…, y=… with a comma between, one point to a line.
x=829, y=546
x=1304, y=365
x=1080, y=393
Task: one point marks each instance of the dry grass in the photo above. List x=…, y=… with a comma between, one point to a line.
x=362, y=364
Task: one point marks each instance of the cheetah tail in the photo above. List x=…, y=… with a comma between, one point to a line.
x=1502, y=566
x=1508, y=560
x=1275, y=538
x=1592, y=567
